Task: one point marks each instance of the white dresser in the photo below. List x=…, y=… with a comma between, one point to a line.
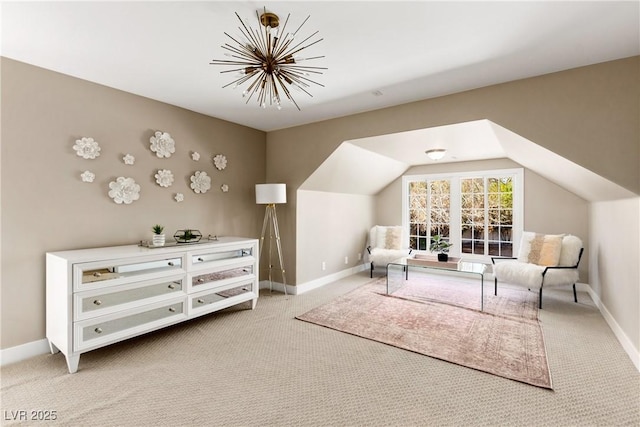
x=96, y=297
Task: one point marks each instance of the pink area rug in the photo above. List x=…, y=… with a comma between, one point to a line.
x=440, y=317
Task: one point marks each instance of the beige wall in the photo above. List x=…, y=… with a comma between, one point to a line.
x=331, y=226
x=614, y=261
x=589, y=115
x=46, y=207
x=548, y=208
x=573, y=113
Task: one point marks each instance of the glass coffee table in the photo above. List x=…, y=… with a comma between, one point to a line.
x=398, y=271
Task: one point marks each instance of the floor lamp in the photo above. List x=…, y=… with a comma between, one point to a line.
x=270, y=195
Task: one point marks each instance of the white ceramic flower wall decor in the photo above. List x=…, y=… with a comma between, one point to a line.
x=129, y=159
x=179, y=197
x=195, y=156
x=162, y=144
x=200, y=182
x=164, y=178
x=87, y=176
x=224, y=188
x=87, y=148
x=124, y=190
x=220, y=161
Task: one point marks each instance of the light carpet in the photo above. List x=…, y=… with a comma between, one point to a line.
x=440, y=317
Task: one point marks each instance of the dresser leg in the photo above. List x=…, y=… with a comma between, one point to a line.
x=53, y=348
x=72, y=363
x=253, y=303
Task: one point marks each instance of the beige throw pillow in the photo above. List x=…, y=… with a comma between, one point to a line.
x=389, y=237
x=540, y=249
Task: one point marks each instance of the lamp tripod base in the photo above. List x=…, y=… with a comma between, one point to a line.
x=271, y=222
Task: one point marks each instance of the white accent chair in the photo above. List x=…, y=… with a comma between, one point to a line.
x=385, y=246
x=543, y=261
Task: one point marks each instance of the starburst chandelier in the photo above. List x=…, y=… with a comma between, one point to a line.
x=268, y=60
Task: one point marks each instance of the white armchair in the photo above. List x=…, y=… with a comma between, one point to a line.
x=385, y=246
x=543, y=261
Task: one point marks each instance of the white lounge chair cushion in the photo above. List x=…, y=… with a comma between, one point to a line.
x=530, y=275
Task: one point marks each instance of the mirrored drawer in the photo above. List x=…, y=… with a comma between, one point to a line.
x=222, y=276
x=218, y=256
x=111, y=328
x=102, y=274
x=98, y=302
x=223, y=297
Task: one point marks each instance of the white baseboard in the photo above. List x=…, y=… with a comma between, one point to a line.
x=313, y=284
x=24, y=351
x=276, y=286
x=626, y=343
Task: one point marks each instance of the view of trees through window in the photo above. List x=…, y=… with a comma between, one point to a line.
x=485, y=214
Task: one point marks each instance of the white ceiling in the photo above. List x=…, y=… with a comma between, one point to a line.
x=406, y=50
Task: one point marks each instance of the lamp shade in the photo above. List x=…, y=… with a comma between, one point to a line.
x=267, y=194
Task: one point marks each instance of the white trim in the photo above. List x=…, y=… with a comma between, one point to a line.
x=313, y=284
x=627, y=345
x=24, y=351
x=276, y=286
x=518, y=204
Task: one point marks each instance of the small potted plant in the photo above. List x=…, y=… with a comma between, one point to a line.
x=158, y=235
x=441, y=247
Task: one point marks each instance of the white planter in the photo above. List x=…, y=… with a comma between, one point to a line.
x=158, y=240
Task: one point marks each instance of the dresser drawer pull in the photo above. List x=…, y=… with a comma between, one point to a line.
x=200, y=259
x=97, y=274
x=172, y=286
x=98, y=330
x=97, y=302
x=201, y=280
x=200, y=301
x=171, y=263
x=171, y=309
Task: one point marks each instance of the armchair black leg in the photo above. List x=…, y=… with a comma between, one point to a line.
x=371, y=273
x=540, y=303
x=575, y=295
x=495, y=286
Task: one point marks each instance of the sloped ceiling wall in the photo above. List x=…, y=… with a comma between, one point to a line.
x=365, y=166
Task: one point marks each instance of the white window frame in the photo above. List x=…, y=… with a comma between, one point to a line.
x=455, y=214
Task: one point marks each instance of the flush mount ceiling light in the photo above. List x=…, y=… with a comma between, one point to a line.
x=269, y=60
x=436, y=153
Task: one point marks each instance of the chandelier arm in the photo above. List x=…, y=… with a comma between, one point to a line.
x=301, y=68
x=289, y=95
x=239, y=43
x=276, y=94
x=253, y=88
x=282, y=32
x=284, y=47
x=295, y=49
x=248, y=33
x=265, y=35
x=240, y=80
x=243, y=50
x=300, y=80
x=303, y=22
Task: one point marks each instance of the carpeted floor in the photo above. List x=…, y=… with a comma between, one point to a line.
x=434, y=315
x=263, y=367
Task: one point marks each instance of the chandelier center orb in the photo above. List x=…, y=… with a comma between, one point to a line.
x=269, y=60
